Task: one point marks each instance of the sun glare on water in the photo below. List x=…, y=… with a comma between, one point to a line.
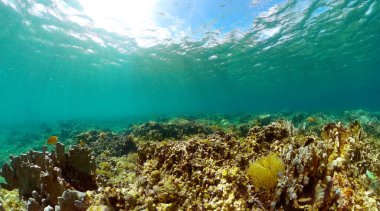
x=119, y=15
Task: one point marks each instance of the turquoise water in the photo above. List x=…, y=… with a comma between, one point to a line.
x=58, y=62
x=121, y=75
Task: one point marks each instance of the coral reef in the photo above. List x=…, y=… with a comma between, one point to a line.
x=114, y=144
x=42, y=177
x=157, y=131
x=370, y=121
x=323, y=172
x=262, y=162
x=191, y=174
x=117, y=171
x=208, y=173
x=204, y=173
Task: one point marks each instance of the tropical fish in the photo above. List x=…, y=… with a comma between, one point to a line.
x=52, y=140
x=102, y=135
x=82, y=143
x=311, y=119
x=371, y=175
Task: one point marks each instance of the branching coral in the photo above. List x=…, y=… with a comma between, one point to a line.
x=42, y=177
x=323, y=173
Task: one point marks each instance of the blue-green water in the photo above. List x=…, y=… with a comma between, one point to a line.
x=201, y=69
x=58, y=62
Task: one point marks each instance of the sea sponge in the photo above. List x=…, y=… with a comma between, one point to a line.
x=264, y=171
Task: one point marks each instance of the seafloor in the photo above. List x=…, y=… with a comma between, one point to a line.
x=283, y=161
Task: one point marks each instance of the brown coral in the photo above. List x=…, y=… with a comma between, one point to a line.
x=322, y=174
x=42, y=177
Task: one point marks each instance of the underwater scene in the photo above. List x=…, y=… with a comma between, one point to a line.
x=189, y=105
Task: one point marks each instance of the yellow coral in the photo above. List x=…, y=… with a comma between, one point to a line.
x=99, y=208
x=265, y=170
x=10, y=200
x=105, y=166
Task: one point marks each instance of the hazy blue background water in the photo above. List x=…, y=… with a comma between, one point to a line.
x=77, y=59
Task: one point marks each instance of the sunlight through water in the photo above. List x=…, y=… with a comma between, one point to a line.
x=114, y=15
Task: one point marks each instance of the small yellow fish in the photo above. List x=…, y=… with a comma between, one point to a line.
x=311, y=119
x=102, y=135
x=325, y=135
x=82, y=143
x=52, y=140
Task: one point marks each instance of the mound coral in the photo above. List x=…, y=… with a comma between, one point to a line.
x=265, y=171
